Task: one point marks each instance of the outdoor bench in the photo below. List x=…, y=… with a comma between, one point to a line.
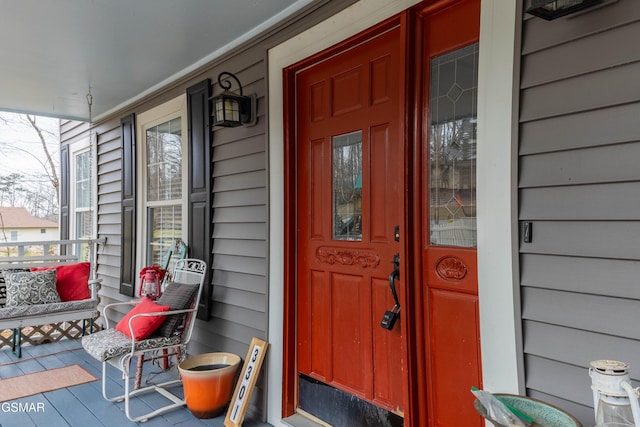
x=47, y=283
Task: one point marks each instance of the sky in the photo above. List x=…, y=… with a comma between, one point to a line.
x=20, y=147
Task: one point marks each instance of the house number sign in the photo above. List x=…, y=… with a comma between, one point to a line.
x=246, y=383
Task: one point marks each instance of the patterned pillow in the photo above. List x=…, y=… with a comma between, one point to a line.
x=29, y=288
x=3, y=291
x=3, y=286
x=178, y=297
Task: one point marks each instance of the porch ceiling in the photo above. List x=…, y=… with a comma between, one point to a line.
x=53, y=51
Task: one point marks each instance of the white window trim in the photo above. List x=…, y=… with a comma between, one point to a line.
x=74, y=150
x=176, y=107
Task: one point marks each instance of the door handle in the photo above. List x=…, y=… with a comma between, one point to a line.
x=395, y=274
x=390, y=316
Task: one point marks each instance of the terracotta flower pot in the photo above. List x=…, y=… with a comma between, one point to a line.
x=208, y=381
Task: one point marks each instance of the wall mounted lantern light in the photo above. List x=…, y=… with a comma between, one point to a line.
x=231, y=109
x=552, y=9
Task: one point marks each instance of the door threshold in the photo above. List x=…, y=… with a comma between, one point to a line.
x=304, y=419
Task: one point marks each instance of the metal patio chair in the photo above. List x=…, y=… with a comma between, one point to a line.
x=112, y=345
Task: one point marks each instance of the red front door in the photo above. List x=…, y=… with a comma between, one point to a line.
x=349, y=206
x=357, y=173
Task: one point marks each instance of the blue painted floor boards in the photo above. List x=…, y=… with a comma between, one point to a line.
x=83, y=405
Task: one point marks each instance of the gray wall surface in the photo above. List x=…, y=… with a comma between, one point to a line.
x=579, y=147
x=239, y=310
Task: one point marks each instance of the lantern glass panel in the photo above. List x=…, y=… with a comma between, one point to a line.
x=227, y=108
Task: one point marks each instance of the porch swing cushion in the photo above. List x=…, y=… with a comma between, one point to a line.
x=110, y=343
x=23, y=312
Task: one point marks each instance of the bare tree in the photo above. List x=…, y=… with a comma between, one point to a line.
x=32, y=142
x=51, y=169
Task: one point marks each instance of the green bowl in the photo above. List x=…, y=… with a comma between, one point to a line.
x=543, y=414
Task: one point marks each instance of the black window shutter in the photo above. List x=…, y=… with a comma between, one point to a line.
x=128, y=220
x=199, y=234
x=65, y=176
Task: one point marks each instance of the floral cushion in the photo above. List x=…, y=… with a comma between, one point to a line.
x=28, y=288
x=39, y=309
x=110, y=343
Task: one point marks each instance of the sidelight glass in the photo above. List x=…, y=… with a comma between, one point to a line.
x=452, y=147
x=347, y=186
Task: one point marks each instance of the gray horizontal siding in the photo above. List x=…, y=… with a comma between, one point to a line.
x=580, y=130
x=593, y=239
x=615, y=201
x=605, y=164
x=73, y=131
x=596, y=313
x=581, y=274
x=579, y=185
x=594, y=52
x=570, y=96
x=239, y=198
x=577, y=347
x=575, y=387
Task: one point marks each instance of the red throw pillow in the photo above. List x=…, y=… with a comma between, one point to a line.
x=143, y=326
x=71, y=280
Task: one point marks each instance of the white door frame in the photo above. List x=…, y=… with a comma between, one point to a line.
x=496, y=166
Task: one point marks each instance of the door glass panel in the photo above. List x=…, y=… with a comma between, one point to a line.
x=452, y=148
x=347, y=186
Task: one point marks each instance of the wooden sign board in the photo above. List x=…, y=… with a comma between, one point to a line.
x=246, y=383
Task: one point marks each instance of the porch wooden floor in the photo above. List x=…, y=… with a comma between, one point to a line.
x=83, y=405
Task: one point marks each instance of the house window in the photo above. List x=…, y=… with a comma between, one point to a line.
x=14, y=235
x=164, y=205
x=43, y=231
x=83, y=214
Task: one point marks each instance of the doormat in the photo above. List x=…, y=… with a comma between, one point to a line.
x=41, y=382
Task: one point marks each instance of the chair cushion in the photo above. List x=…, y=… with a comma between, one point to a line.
x=42, y=309
x=145, y=325
x=29, y=288
x=178, y=297
x=110, y=343
x=72, y=280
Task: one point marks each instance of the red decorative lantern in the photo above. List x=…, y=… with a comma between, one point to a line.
x=150, y=282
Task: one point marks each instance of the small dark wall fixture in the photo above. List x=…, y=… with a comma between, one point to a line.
x=232, y=109
x=527, y=232
x=552, y=9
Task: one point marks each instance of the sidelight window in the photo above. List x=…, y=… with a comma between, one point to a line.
x=452, y=148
